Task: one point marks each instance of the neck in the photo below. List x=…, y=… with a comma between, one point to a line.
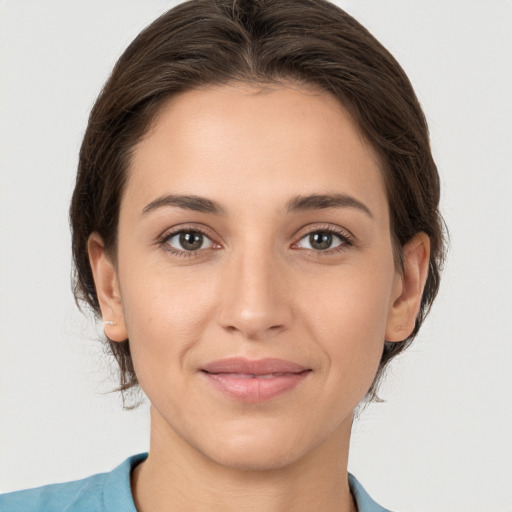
x=176, y=476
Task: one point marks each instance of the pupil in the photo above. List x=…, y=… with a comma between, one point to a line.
x=191, y=240
x=320, y=240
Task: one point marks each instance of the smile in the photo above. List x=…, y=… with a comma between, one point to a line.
x=254, y=380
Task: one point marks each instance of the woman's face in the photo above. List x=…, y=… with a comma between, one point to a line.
x=255, y=272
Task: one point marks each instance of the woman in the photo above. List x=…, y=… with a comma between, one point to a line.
x=255, y=220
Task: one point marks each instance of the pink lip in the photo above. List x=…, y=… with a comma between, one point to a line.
x=254, y=380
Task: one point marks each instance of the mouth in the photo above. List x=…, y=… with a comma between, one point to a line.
x=254, y=380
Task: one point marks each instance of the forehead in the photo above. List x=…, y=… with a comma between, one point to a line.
x=243, y=145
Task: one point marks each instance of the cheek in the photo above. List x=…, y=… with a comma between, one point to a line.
x=348, y=319
x=165, y=314
x=354, y=301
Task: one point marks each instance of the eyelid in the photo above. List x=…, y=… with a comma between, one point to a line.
x=332, y=228
x=204, y=238
x=344, y=234
x=176, y=230
x=189, y=226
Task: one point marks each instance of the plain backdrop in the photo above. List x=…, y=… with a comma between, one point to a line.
x=442, y=440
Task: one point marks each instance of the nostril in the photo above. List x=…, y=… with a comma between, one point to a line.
x=254, y=332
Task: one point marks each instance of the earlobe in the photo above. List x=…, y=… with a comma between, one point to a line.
x=409, y=288
x=107, y=289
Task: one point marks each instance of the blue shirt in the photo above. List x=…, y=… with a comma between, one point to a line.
x=111, y=492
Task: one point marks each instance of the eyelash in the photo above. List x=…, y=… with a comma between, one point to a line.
x=345, y=238
x=182, y=253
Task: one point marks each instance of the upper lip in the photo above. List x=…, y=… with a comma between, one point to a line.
x=253, y=366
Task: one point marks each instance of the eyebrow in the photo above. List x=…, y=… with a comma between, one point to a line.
x=295, y=204
x=325, y=201
x=187, y=202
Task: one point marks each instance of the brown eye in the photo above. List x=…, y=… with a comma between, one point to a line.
x=321, y=241
x=189, y=241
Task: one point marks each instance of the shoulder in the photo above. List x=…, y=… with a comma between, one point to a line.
x=86, y=494
x=364, y=502
x=104, y=492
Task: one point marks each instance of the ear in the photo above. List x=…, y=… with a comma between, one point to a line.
x=408, y=288
x=107, y=289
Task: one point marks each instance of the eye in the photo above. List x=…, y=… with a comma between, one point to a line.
x=188, y=240
x=322, y=241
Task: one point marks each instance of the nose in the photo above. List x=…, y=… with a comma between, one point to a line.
x=255, y=299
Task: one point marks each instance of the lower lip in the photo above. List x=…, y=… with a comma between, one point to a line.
x=255, y=389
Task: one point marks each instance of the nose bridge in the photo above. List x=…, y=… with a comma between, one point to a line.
x=255, y=301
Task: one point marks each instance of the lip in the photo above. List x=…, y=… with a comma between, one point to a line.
x=254, y=380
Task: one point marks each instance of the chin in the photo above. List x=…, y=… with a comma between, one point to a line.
x=254, y=459
x=258, y=449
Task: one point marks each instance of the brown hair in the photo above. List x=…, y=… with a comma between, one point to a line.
x=202, y=42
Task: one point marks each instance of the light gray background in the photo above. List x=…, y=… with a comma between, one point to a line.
x=442, y=441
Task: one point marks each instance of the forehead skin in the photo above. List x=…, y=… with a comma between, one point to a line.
x=234, y=144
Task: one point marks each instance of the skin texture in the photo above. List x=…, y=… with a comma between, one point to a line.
x=256, y=288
